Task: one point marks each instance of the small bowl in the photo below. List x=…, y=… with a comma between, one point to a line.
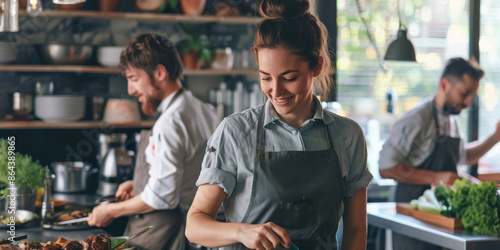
x=109, y=56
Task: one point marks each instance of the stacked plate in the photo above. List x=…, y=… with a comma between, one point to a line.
x=60, y=108
x=7, y=52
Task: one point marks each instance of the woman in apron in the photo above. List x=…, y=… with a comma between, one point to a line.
x=286, y=171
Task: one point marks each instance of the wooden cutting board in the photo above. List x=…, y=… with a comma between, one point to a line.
x=436, y=219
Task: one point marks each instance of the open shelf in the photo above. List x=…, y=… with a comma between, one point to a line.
x=106, y=70
x=157, y=17
x=72, y=125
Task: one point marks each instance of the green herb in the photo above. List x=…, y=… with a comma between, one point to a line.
x=477, y=205
x=29, y=174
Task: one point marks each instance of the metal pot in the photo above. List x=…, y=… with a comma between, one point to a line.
x=71, y=177
x=21, y=103
x=24, y=200
x=55, y=53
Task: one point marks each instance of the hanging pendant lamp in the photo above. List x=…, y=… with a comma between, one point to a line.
x=401, y=49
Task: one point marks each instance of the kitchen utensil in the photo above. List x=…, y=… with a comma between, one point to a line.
x=293, y=246
x=133, y=237
x=18, y=238
x=22, y=103
x=57, y=53
x=72, y=221
x=71, y=177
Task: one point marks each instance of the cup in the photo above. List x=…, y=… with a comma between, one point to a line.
x=97, y=106
x=44, y=88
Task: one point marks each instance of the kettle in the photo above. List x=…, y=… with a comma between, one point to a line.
x=116, y=165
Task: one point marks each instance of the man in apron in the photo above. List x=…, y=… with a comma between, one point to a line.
x=169, y=156
x=425, y=146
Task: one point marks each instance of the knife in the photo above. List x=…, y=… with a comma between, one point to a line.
x=72, y=221
x=14, y=239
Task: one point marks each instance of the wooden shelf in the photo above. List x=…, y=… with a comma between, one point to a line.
x=106, y=70
x=157, y=17
x=72, y=125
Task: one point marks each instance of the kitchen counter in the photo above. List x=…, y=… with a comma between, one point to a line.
x=384, y=215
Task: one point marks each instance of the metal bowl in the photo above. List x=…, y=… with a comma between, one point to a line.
x=55, y=53
x=24, y=216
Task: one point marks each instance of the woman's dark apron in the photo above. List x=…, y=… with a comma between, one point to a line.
x=169, y=225
x=301, y=191
x=444, y=157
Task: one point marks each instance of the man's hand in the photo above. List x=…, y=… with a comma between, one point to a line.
x=446, y=177
x=497, y=131
x=125, y=191
x=100, y=216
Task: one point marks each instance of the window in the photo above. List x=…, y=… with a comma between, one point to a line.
x=489, y=91
x=439, y=30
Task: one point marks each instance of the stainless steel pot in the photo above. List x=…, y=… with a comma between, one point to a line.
x=71, y=177
x=23, y=198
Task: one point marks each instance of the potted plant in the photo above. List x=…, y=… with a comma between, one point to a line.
x=194, y=49
x=26, y=175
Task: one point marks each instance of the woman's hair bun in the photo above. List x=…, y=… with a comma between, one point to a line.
x=283, y=9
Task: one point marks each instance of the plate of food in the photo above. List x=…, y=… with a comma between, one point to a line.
x=53, y=221
x=21, y=218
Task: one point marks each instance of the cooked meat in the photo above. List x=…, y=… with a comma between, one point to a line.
x=73, y=245
x=9, y=247
x=86, y=243
x=52, y=246
x=64, y=217
x=101, y=242
x=30, y=245
x=78, y=214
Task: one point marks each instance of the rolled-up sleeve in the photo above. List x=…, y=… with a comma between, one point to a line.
x=358, y=176
x=219, y=162
x=402, y=144
x=162, y=190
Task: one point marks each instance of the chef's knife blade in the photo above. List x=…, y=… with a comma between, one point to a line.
x=72, y=221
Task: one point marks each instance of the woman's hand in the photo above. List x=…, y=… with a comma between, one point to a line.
x=263, y=236
x=125, y=191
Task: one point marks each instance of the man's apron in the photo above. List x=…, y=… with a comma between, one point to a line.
x=169, y=225
x=301, y=191
x=444, y=157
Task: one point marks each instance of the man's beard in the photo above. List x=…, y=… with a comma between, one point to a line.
x=453, y=110
x=150, y=105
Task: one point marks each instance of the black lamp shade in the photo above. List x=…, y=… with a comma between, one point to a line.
x=401, y=49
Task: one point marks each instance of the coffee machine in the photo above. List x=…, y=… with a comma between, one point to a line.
x=116, y=163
